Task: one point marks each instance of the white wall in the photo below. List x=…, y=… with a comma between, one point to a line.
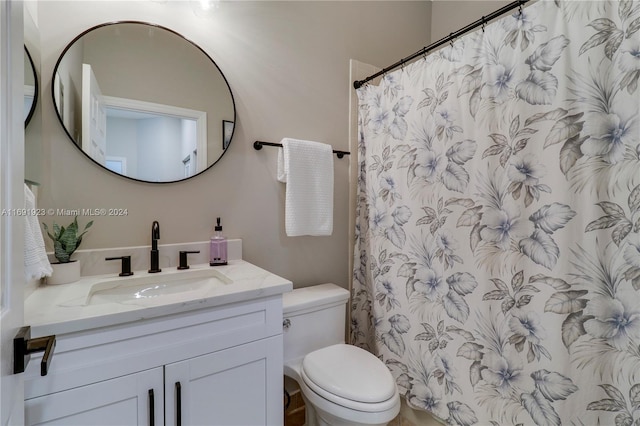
x=288, y=66
x=159, y=156
x=120, y=132
x=188, y=137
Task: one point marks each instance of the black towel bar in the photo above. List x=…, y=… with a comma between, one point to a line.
x=258, y=146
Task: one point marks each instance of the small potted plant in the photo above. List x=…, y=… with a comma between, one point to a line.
x=65, y=242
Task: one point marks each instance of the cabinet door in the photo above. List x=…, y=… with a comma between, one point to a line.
x=126, y=401
x=240, y=386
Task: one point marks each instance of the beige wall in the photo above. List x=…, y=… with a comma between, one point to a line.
x=451, y=15
x=33, y=132
x=288, y=66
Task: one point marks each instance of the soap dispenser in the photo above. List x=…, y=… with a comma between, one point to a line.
x=218, y=247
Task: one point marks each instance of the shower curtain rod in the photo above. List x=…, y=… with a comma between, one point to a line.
x=480, y=22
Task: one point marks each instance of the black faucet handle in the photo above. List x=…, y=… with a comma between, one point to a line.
x=183, y=258
x=126, y=265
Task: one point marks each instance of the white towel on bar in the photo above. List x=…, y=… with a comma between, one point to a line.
x=307, y=169
x=36, y=263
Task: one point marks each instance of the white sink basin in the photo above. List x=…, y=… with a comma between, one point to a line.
x=148, y=287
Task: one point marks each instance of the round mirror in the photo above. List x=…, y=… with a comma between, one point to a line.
x=143, y=101
x=30, y=87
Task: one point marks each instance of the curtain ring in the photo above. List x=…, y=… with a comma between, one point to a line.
x=484, y=22
x=451, y=39
x=424, y=53
x=520, y=8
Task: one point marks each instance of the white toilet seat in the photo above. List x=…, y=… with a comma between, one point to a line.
x=350, y=404
x=350, y=377
x=335, y=414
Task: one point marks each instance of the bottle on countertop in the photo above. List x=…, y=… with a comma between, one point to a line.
x=218, y=247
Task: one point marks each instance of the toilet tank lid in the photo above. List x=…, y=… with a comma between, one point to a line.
x=315, y=296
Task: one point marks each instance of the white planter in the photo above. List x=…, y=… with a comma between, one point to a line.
x=64, y=273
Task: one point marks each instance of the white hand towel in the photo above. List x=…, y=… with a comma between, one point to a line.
x=36, y=263
x=307, y=169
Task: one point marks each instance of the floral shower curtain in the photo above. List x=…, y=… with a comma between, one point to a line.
x=497, y=264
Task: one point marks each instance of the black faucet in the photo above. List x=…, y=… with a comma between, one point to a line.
x=155, y=254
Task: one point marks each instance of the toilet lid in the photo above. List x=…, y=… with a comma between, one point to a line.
x=349, y=372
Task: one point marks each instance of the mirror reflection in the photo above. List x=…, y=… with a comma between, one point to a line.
x=143, y=102
x=30, y=87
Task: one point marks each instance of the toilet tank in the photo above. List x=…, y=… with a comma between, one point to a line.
x=314, y=317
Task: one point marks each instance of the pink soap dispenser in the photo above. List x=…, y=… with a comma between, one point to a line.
x=218, y=247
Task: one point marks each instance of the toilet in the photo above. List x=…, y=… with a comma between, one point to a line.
x=342, y=385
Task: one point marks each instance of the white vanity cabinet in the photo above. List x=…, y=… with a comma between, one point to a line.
x=229, y=387
x=211, y=366
x=127, y=400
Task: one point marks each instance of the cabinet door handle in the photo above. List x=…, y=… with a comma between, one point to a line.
x=178, y=404
x=24, y=346
x=152, y=409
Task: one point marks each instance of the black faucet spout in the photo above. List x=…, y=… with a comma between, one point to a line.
x=155, y=235
x=155, y=254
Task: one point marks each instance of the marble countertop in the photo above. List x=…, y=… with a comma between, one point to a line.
x=67, y=308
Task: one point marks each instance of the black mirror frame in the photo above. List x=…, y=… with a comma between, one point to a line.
x=32, y=110
x=71, y=43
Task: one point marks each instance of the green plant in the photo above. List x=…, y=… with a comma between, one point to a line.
x=66, y=240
